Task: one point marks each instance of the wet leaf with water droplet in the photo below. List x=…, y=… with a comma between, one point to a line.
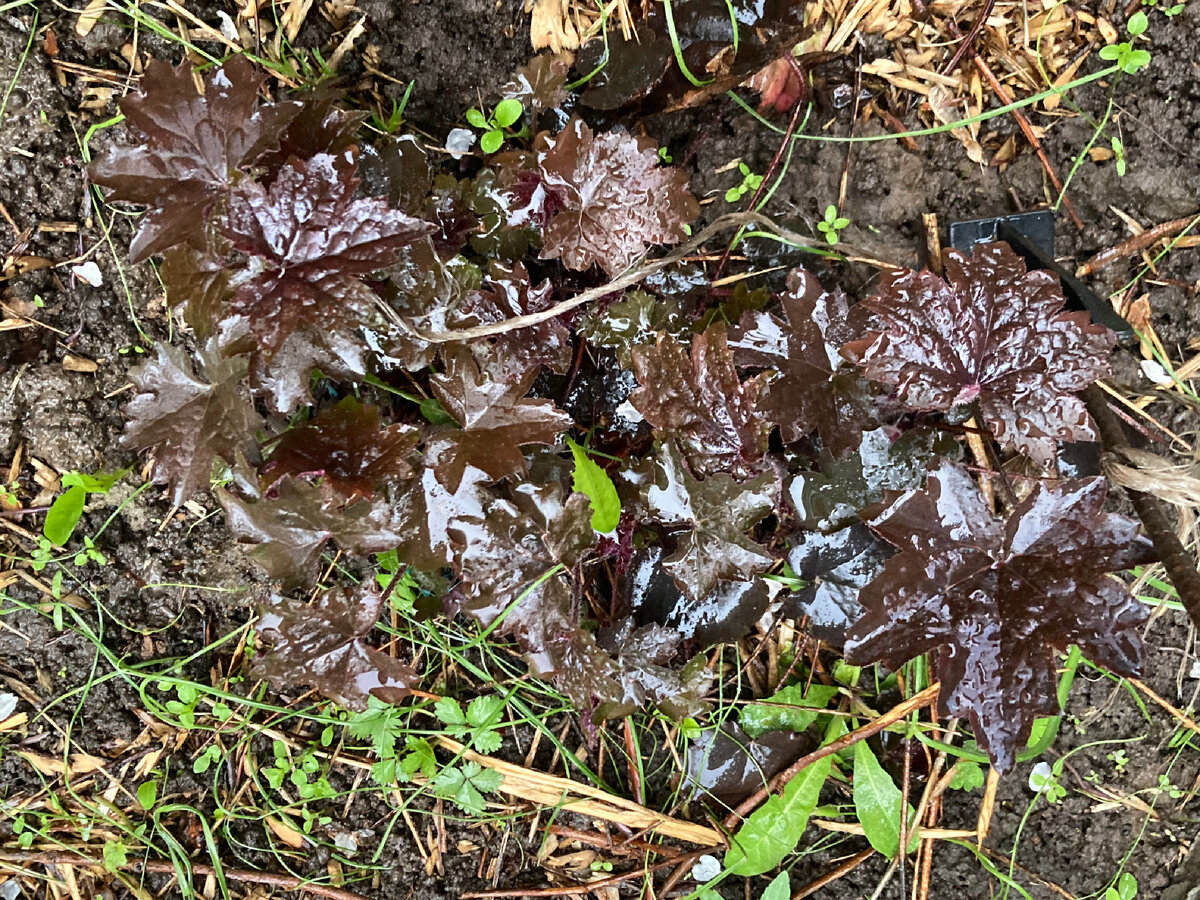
x=998, y=596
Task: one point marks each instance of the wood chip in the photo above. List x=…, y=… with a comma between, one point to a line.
x=73, y=363
x=89, y=17
x=551, y=26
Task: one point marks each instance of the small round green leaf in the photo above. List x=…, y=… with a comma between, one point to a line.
x=476, y=118
x=507, y=113
x=1138, y=23
x=491, y=142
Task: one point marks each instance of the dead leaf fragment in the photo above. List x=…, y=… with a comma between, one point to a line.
x=551, y=27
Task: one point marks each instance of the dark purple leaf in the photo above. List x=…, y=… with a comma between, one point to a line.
x=323, y=644
x=701, y=401
x=808, y=393
x=714, y=515
x=310, y=240
x=634, y=320
x=495, y=419
x=997, y=597
x=727, y=613
x=836, y=566
x=189, y=422
x=198, y=283
x=348, y=447
x=540, y=84
x=194, y=145
x=882, y=462
x=994, y=335
x=292, y=525
x=506, y=293
x=613, y=200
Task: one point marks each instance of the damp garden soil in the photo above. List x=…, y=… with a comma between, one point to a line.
x=459, y=51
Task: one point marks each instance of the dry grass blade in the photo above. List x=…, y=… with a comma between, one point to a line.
x=554, y=791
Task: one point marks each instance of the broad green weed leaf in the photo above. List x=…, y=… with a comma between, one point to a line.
x=147, y=793
x=779, y=889
x=64, y=515
x=773, y=831
x=491, y=141
x=592, y=480
x=788, y=710
x=99, y=483
x=877, y=802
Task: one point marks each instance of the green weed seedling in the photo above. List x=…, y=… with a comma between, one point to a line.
x=1128, y=59
x=832, y=224
x=498, y=125
x=750, y=182
x=67, y=509
x=1126, y=888
x=1118, y=150
x=478, y=726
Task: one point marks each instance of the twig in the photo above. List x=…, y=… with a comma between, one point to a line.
x=589, y=887
x=289, y=882
x=1184, y=720
x=1026, y=128
x=967, y=44
x=833, y=875
x=634, y=276
x=875, y=726
x=1133, y=245
x=1180, y=566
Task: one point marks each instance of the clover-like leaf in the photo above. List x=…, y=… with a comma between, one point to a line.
x=347, y=445
x=189, y=422
x=808, y=393
x=309, y=240
x=612, y=200
x=716, y=513
x=323, y=644
x=997, y=597
x=495, y=417
x=991, y=334
x=194, y=145
x=700, y=400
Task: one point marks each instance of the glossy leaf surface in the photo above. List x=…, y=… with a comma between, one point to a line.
x=999, y=597
x=991, y=335
x=323, y=644
x=613, y=199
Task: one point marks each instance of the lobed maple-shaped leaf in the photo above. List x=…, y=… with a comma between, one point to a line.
x=540, y=84
x=194, y=145
x=348, y=447
x=292, y=525
x=998, y=597
x=991, y=334
x=323, y=644
x=508, y=292
x=309, y=240
x=188, y=421
x=700, y=400
x=612, y=198
x=716, y=513
x=808, y=393
x=200, y=284
x=495, y=417
x=630, y=322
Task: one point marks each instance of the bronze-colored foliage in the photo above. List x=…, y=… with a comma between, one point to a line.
x=996, y=597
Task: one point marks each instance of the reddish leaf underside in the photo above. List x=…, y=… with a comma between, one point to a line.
x=997, y=598
x=992, y=334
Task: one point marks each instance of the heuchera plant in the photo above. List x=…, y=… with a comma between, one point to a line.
x=736, y=431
